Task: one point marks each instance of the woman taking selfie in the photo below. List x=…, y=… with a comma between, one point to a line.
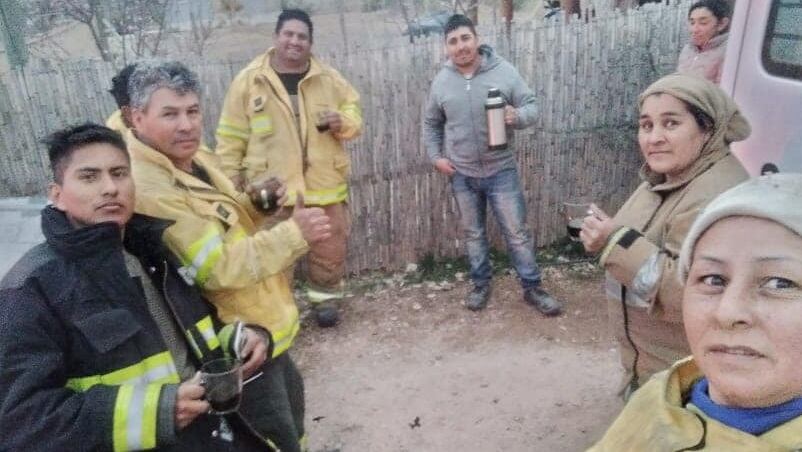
x=742, y=389
x=685, y=127
x=703, y=56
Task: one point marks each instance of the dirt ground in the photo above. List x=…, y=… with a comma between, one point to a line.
x=409, y=368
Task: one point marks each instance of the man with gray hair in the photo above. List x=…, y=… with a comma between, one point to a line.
x=238, y=266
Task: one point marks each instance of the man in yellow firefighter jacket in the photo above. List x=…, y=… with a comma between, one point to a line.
x=238, y=267
x=120, y=119
x=287, y=115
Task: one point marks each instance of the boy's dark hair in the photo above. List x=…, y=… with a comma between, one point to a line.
x=295, y=14
x=62, y=143
x=119, y=86
x=456, y=21
x=719, y=8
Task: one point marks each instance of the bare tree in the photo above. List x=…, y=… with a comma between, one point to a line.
x=143, y=21
x=200, y=31
x=89, y=13
x=232, y=7
x=407, y=20
x=472, y=10
x=507, y=12
x=341, y=8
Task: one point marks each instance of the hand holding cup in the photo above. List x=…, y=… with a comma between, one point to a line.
x=268, y=194
x=328, y=120
x=596, y=229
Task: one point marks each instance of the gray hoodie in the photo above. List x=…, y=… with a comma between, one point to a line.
x=455, y=122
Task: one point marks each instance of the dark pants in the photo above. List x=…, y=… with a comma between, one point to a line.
x=198, y=436
x=274, y=404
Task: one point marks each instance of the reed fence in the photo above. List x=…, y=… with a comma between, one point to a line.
x=586, y=74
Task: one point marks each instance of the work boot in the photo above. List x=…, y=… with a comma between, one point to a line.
x=326, y=314
x=477, y=299
x=542, y=301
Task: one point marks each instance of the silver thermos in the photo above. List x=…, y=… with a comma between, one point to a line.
x=496, y=129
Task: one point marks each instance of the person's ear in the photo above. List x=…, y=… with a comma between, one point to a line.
x=723, y=23
x=54, y=193
x=125, y=114
x=136, y=116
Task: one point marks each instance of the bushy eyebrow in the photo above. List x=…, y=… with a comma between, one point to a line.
x=762, y=259
x=780, y=258
x=668, y=114
x=173, y=107
x=88, y=169
x=712, y=259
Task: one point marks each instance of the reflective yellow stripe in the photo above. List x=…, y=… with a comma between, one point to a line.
x=238, y=235
x=224, y=132
x=282, y=339
x=611, y=242
x=158, y=368
x=120, y=422
x=207, y=330
x=228, y=129
x=150, y=415
x=135, y=413
x=202, y=255
x=351, y=109
x=194, y=345
x=327, y=196
x=261, y=124
x=224, y=336
x=319, y=296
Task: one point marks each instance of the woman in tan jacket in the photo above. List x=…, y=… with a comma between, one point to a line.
x=742, y=307
x=685, y=127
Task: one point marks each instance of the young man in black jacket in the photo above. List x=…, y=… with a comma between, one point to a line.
x=101, y=339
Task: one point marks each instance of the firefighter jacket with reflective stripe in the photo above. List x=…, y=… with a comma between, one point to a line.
x=83, y=365
x=238, y=266
x=258, y=132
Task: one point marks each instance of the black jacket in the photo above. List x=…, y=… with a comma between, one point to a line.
x=83, y=365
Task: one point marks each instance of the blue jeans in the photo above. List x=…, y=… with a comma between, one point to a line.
x=503, y=192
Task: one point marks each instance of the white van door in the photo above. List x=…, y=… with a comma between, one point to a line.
x=763, y=73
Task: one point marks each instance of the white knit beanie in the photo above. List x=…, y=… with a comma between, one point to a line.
x=775, y=197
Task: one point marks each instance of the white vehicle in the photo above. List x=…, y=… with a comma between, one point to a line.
x=763, y=73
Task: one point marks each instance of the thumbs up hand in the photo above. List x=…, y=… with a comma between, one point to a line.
x=315, y=226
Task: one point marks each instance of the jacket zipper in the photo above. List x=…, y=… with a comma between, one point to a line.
x=301, y=141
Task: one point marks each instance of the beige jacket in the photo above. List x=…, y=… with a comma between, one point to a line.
x=657, y=419
x=258, y=135
x=642, y=255
x=238, y=267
